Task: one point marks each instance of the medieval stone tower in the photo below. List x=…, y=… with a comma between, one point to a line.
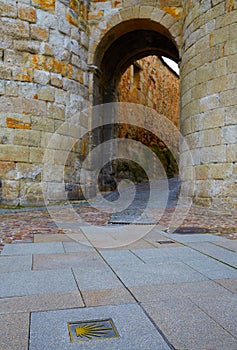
x=58, y=57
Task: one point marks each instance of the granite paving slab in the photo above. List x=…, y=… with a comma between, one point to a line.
x=137, y=244
x=73, y=247
x=212, y=269
x=115, y=236
x=191, y=290
x=115, y=296
x=135, y=330
x=36, y=282
x=89, y=278
x=228, y=244
x=51, y=237
x=15, y=263
x=82, y=259
x=156, y=274
x=41, y=302
x=198, y=237
x=222, y=310
x=230, y=284
x=170, y=254
x=216, y=252
x=121, y=257
x=33, y=248
x=14, y=331
x=188, y=327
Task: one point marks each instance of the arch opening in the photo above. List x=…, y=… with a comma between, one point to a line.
x=121, y=47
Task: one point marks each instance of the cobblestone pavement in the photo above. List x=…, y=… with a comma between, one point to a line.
x=23, y=224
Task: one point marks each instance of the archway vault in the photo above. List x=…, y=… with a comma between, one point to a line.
x=126, y=39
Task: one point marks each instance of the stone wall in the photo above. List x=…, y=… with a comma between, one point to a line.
x=208, y=98
x=43, y=81
x=58, y=55
x=152, y=83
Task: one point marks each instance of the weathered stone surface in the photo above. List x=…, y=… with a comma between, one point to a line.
x=27, y=14
x=47, y=5
x=47, y=45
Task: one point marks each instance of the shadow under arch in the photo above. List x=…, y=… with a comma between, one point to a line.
x=121, y=46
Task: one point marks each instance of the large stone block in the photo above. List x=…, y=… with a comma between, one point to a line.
x=46, y=5
x=27, y=14
x=14, y=153
x=14, y=28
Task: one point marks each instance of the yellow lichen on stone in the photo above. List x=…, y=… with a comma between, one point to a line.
x=72, y=20
x=47, y=5
x=50, y=64
x=230, y=5
x=175, y=12
x=17, y=124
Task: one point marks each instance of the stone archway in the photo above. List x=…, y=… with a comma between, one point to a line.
x=122, y=44
x=134, y=33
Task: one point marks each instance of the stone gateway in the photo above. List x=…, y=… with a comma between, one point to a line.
x=59, y=57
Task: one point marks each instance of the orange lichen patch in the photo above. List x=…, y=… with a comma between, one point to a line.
x=74, y=4
x=17, y=124
x=47, y=5
x=78, y=76
x=230, y=5
x=175, y=12
x=39, y=33
x=116, y=3
x=36, y=96
x=96, y=15
x=24, y=74
x=5, y=167
x=83, y=147
x=49, y=64
x=211, y=37
x=72, y=19
x=28, y=14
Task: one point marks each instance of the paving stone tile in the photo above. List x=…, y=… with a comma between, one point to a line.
x=170, y=254
x=40, y=302
x=51, y=237
x=154, y=238
x=155, y=274
x=115, y=236
x=36, y=282
x=121, y=257
x=114, y=296
x=68, y=260
x=134, y=328
x=192, y=290
x=216, y=252
x=188, y=327
x=212, y=269
x=89, y=278
x=141, y=243
x=15, y=263
x=73, y=247
x=228, y=244
x=14, y=331
x=230, y=284
x=33, y=248
x=222, y=310
x=199, y=237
